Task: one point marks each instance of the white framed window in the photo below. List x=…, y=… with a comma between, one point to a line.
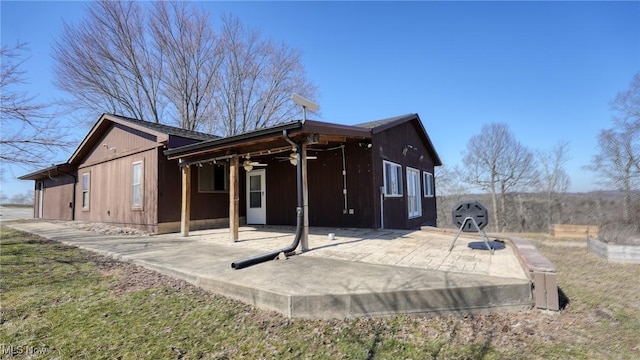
x=137, y=176
x=392, y=173
x=86, y=187
x=414, y=204
x=213, y=178
x=428, y=183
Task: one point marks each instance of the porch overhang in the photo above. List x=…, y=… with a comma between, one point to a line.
x=268, y=140
x=51, y=171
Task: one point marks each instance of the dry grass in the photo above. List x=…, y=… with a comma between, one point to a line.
x=60, y=302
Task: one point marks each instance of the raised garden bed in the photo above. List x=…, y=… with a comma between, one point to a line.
x=614, y=253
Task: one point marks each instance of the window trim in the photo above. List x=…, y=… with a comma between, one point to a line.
x=141, y=185
x=226, y=179
x=429, y=187
x=86, y=206
x=415, y=174
x=399, y=185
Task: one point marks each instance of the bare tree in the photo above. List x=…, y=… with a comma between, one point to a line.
x=191, y=56
x=496, y=162
x=451, y=190
x=164, y=61
x=30, y=134
x=107, y=64
x=554, y=180
x=257, y=78
x=627, y=104
x=618, y=161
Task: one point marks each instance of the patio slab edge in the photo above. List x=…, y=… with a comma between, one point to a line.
x=320, y=288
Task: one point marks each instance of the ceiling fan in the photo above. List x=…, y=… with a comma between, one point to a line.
x=248, y=164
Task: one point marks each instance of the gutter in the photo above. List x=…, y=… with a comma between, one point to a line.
x=246, y=262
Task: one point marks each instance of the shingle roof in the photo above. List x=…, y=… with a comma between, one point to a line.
x=166, y=129
x=376, y=123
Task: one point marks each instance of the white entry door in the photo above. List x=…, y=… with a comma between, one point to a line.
x=256, y=197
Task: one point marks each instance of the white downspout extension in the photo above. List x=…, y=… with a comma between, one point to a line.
x=381, y=207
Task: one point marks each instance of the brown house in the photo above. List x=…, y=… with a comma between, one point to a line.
x=118, y=175
x=126, y=171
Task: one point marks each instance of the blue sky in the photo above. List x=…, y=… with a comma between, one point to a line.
x=547, y=69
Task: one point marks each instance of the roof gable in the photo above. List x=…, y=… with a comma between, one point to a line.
x=384, y=124
x=161, y=133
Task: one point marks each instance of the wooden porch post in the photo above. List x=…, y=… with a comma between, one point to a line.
x=305, y=201
x=185, y=214
x=234, y=199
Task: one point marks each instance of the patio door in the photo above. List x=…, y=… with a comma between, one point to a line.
x=256, y=197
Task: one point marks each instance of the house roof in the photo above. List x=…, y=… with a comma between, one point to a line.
x=166, y=129
x=51, y=171
x=162, y=133
x=272, y=137
x=384, y=124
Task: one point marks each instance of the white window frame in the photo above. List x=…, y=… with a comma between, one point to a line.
x=137, y=186
x=394, y=189
x=86, y=191
x=427, y=179
x=203, y=189
x=414, y=202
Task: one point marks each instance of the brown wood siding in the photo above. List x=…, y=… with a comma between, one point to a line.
x=169, y=189
x=110, y=195
x=57, y=198
x=281, y=195
x=178, y=141
x=204, y=206
x=389, y=145
x=326, y=183
x=207, y=205
x=120, y=141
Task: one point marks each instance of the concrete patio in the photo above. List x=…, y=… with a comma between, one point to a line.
x=359, y=273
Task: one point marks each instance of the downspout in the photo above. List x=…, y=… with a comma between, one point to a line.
x=246, y=262
x=73, y=193
x=344, y=180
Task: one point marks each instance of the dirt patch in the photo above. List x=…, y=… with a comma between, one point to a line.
x=127, y=277
x=104, y=229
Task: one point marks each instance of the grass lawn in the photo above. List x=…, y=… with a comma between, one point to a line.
x=61, y=302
